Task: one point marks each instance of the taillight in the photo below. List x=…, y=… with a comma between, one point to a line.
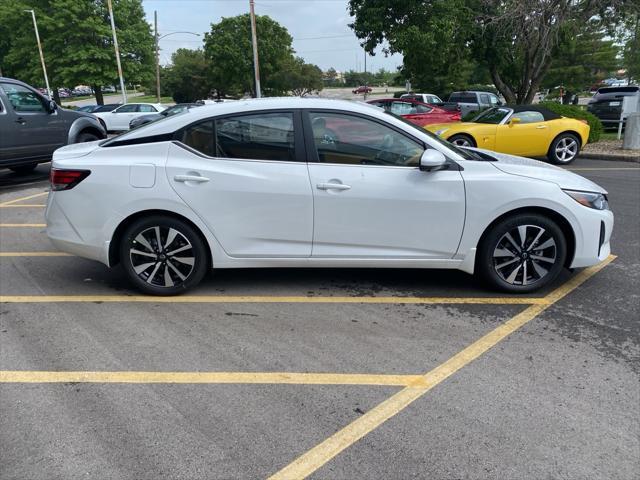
x=66, y=179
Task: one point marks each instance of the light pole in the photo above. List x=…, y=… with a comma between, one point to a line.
x=155, y=19
x=254, y=42
x=44, y=68
x=115, y=44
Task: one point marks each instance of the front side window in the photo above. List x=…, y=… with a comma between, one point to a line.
x=262, y=136
x=127, y=109
x=494, y=100
x=348, y=139
x=529, y=117
x=484, y=98
x=22, y=99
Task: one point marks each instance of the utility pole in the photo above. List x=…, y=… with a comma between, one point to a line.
x=115, y=44
x=155, y=21
x=366, y=84
x=44, y=68
x=254, y=41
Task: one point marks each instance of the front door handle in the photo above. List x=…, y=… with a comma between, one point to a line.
x=333, y=186
x=190, y=178
x=540, y=127
x=21, y=121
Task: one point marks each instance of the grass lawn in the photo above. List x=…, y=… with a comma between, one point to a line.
x=151, y=99
x=610, y=135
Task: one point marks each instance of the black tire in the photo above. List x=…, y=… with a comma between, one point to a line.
x=564, y=149
x=87, y=137
x=24, y=169
x=462, y=140
x=156, y=270
x=498, y=258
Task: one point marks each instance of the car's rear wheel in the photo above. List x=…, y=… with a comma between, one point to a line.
x=462, y=140
x=522, y=253
x=163, y=255
x=564, y=149
x=24, y=169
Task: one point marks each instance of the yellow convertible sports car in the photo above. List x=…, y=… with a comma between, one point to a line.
x=525, y=130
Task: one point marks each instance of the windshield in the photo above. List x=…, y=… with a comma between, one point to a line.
x=464, y=153
x=493, y=116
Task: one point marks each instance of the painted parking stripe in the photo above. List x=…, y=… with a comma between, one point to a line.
x=319, y=455
x=588, y=169
x=18, y=376
x=23, y=225
x=267, y=299
x=25, y=205
x=21, y=199
x=35, y=254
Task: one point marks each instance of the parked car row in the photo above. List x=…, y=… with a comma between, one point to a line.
x=606, y=104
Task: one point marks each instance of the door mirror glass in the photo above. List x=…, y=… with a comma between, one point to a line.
x=53, y=106
x=432, y=160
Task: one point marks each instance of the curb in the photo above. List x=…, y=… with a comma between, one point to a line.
x=610, y=157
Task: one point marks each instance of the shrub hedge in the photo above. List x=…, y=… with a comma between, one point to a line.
x=572, y=111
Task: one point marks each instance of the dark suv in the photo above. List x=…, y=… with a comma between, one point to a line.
x=32, y=127
x=606, y=104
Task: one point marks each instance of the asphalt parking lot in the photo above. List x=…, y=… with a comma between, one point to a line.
x=341, y=374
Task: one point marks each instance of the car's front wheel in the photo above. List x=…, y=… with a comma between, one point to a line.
x=522, y=253
x=564, y=149
x=163, y=255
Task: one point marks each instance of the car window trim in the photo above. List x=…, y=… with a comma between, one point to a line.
x=298, y=137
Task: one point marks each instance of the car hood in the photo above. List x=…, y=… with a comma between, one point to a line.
x=526, y=167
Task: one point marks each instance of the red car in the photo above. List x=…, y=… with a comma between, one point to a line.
x=417, y=112
x=362, y=89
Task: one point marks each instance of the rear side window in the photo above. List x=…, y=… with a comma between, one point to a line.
x=463, y=97
x=264, y=136
x=127, y=109
x=484, y=98
x=619, y=90
x=147, y=109
x=22, y=99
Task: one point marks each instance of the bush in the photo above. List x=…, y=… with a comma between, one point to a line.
x=573, y=111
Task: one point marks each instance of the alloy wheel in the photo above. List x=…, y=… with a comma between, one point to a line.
x=525, y=255
x=162, y=256
x=462, y=142
x=566, y=149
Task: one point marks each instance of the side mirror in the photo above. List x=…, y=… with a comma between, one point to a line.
x=514, y=121
x=432, y=160
x=52, y=106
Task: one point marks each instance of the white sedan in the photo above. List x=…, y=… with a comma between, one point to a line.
x=317, y=183
x=118, y=119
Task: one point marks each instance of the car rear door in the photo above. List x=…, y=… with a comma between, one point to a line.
x=246, y=177
x=370, y=198
x=32, y=131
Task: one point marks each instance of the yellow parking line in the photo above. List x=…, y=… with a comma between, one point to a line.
x=315, y=458
x=34, y=254
x=19, y=376
x=268, y=299
x=29, y=197
x=24, y=205
x=23, y=225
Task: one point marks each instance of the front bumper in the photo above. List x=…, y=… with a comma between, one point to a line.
x=597, y=226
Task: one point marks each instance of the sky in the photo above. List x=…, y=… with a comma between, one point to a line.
x=319, y=28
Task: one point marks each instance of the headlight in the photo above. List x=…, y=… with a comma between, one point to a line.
x=594, y=200
x=441, y=131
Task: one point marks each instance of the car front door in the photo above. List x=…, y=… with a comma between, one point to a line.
x=121, y=116
x=33, y=131
x=370, y=198
x=246, y=176
x=527, y=135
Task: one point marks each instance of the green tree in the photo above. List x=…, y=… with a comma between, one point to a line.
x=631, y=49
x=330, y=77
x=454, y=42
x=76, y=41
x=299, y=78
x=187, y=78
x=229, y=52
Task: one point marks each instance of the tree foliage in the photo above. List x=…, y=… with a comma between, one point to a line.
x=187, y=78
x=299, y=78
x=77, y=42
x=449, y=43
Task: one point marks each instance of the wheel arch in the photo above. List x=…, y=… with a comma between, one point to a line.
x=562, y=222
x=114, y=250
x=572, y=132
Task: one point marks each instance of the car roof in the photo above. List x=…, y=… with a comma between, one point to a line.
x=546, y=113
x=175, y=122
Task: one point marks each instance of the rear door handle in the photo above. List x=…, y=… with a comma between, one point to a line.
x=190, y=178
x=333, y=186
